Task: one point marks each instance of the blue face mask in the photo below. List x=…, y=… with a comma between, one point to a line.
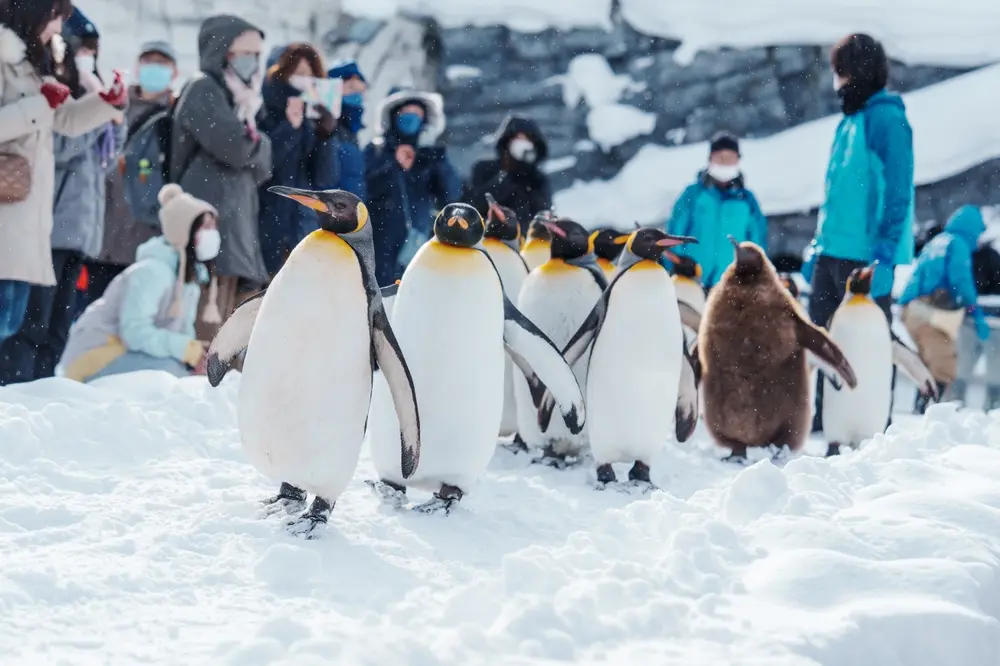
x=354, y=99
x=155, y=78
x=408, y=124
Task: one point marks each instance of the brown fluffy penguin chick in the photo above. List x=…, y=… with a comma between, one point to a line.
x=752, y=348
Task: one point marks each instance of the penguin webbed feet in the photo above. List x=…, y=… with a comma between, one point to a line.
x=516, y=444
x=444, y=500
x=306, y=524
x=550, y=458
x=738, y=454
x=638, y=479
x=289, y=499
x=832, y=449
x=390, y=494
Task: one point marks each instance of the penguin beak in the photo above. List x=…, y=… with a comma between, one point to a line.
x=868, y=271
x=673, y=241
x=304, y=197
x=554, y=228
x=494, y=210
x=736, y=243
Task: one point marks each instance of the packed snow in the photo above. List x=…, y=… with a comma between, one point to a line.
x=130, y=533
x=954, y=129
x=610, y=125
x=521, y=15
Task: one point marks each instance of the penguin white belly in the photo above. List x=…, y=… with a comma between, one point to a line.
x=512, y=272
x=635, y=368
x=556, y=297
x=448, y=318
x=306, y=380
x=690, y=292
x=851, y=416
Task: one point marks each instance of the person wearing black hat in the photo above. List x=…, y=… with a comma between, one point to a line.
x=718, y=205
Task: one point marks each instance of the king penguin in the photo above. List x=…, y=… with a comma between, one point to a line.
x=753, y=347
x=607, y=250
x=454, y=321
x=538, y=242
x=860, y=329
x=639, y=365
x=311, y=340
x=502, y=241
x=690, y=296
x=557, y=296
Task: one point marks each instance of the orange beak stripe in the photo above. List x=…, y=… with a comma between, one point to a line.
x=452, y=221
x=315, y=204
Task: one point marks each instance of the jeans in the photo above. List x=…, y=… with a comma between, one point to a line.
x=829, y=284
x=970, y=350
x=135, y=361
x=13, y=304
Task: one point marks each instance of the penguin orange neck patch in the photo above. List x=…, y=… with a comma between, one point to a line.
x=554, y=266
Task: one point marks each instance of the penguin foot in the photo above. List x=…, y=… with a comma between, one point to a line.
x=289, y=499
x=516, y=444
x=443, y=501
x=606, y=474
x=550, y=458
x=736, y=458
x=832, y=449
x=639, y=472
x=390, y=493
x=305, y=525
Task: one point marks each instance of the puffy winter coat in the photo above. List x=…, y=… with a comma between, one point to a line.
x=26, y=129
x=82, y=167
x=134, y=315
x=526, y=191
x=710, y=214
x=869, y=184
x=946, y=261
x=399, y=200
x=298, y=159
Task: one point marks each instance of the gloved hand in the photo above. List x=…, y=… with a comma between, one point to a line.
x=982, y=328
x=326, y=124
x=116, y=95
x=809, y=262
x=884, y=271
x=55, y=93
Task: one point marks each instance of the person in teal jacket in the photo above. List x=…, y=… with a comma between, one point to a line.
x=944, y=280
x=716, y=206
x=867, y=213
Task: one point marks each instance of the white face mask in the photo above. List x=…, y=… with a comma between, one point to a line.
x=522, y=150
x=85, y=64
x=301, y=83
x=723, y=173
x=207, y=244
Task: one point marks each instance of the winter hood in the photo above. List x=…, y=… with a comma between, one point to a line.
x=433, y=103
x=217, y=34
x=966, y=223
x=12, y=49
x=512, y=125
x=158, y=249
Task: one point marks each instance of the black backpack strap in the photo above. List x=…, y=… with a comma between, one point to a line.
x=169, y=138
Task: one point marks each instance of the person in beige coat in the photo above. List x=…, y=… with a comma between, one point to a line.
x=32, y=106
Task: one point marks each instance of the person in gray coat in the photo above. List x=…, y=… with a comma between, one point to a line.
x=217, y=154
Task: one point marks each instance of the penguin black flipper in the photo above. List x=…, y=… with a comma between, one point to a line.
x=686, y=412
x=913, y=367
x=233, y=337
x=397, y=376
x=689, y=316
x=535, y=354
x=824, y=352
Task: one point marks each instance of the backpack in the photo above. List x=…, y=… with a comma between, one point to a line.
x=146, y=162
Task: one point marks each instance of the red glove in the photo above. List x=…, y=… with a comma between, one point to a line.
x=116, y=95
x=252, y=132
x=55, y=93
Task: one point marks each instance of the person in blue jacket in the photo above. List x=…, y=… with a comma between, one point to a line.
x=304, y=152
x=409, y=177
x=352, y=111
x=716, y=206
x=943, y=283
x=867, y=213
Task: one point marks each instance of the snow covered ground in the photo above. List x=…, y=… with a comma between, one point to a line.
x=129, y=533
x=954, y=129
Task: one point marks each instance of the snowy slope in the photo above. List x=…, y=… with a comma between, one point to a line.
x=954, y=128
x=520, y=15
x=129, y=534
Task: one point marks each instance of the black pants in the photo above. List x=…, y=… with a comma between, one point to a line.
x=829, y=284
x=34, y=351
x=99, y=276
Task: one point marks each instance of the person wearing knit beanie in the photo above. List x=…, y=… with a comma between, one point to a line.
x=178, y=213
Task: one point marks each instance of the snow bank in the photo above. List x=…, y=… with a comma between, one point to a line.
x=129, y=532
x=520, y=15
x=613, y=124
x=960, y=33
x=590, y=79
x=954, y=129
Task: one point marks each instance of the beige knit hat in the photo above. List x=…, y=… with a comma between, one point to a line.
x=178, y=212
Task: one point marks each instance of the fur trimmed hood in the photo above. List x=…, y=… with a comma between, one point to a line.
x=12, y=49
x=433, y=103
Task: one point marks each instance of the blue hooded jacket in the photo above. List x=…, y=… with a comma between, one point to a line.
x=946, y=261
x=711, y=213
x=868, y=208
x=352, y=158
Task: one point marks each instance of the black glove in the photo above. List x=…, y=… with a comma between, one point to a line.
x=326, y=124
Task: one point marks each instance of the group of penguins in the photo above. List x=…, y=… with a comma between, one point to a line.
x=487, y=335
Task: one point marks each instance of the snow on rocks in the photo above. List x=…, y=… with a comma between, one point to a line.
x=610, y=125
x=589, y=78
x=129, y=533
x=520, y=15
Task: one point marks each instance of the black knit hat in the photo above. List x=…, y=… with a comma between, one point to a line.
x=724, y=141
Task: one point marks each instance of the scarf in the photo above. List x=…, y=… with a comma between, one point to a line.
x=247, y=98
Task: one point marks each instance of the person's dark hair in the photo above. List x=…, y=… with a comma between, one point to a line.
x=861, y=59
x=290, y=59
x=191, y=259
x=27, y=19
x=66, y=72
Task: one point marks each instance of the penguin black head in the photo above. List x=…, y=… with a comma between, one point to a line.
x=569, y=239
x=688, y=267
x=501, y=222
x=459, y=224
x=652, y=243
x=860, y=280
x=340, y=212
x=749, y=259
x=604, y=244
x=537, y=229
